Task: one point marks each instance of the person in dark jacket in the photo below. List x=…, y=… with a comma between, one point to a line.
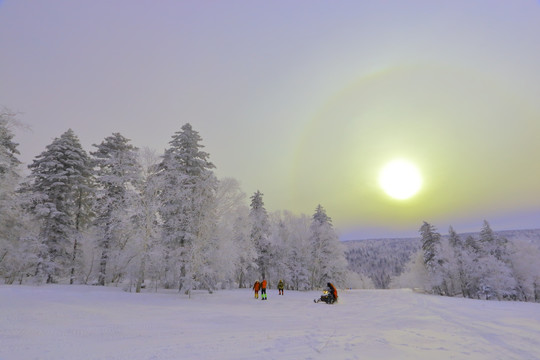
x=330, y=294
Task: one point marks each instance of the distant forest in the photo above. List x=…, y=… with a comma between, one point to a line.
x=466, y=264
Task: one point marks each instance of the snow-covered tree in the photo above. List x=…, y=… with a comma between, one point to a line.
x=415, y=274
x=9, y=175
x=294, y=251
x=147, y=232
x=455, y=263
x=9, y=162
x=117, y=177
x=433, y=260
x=61, y=188
x=328, y=262
x=237, y=253
x=18, y=247
x=246, y=269
x=493, y=244
x=469, y=256
x=524, y=256
x=279, y=240
x=451, y=267
x=260, y=232
x=497, y=279
x=188, y=200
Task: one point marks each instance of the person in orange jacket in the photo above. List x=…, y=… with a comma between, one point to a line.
x=263, y=290
x=256, y=287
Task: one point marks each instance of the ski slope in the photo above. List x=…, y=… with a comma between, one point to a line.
x=84, y=322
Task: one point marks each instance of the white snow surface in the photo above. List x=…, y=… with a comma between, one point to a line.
x=86, y=322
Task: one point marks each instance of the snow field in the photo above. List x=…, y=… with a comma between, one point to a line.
x=83, y=322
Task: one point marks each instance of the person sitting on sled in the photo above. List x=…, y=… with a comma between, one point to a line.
x=330, y=294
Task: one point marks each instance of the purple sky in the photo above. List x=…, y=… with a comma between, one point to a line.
x=302, y=100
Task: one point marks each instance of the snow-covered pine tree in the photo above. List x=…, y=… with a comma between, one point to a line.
x=188, y=204
x=433, y=261
x=430, y=240
x=61, y=184
x=117, y=176
x=452, y=258
x=492, y=243
x=470, y=261
x=497, y=280
x=472, y=244
x=260, y=232
x=457, y=261
x=328, y=262
x=9, y=162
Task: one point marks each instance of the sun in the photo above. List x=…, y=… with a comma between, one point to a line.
x=400, y=179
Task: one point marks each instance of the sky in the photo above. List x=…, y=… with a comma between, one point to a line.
x=305, y=101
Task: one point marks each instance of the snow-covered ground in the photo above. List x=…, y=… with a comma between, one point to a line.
x=83, y=322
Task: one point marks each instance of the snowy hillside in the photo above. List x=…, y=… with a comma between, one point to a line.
x=83, y=322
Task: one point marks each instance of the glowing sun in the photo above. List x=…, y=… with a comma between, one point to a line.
x=400, y=179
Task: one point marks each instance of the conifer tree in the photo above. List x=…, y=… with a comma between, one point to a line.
x=457, y=247
x=328, y=262
x=431, y=247
x=493, y=244
x=61, y=185
x=497, y=280
x=260, y=232
x=8, y=148
x=188, y=200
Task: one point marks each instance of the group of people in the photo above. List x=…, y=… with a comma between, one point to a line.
x=330, y=295
x=262, y=287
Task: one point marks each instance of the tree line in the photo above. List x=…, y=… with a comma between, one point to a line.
x=121, y=215
x=486, y=266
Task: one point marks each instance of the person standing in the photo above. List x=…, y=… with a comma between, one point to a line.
x=280, y=287
x=263, y=290
x=256, y=288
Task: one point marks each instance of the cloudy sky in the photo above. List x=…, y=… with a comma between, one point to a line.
x=303, y=100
